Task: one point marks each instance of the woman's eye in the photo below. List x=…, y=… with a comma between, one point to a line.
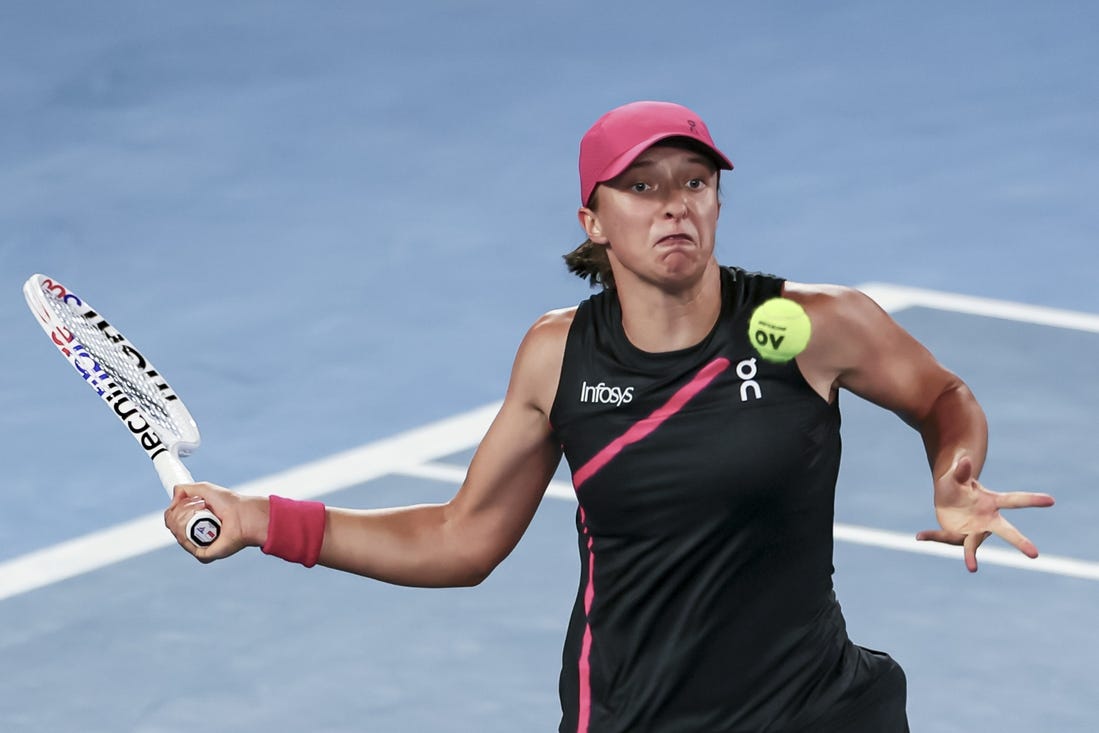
x=696, y=183
x=639, y=187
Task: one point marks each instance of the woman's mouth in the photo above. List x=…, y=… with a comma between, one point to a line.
x=679, y=238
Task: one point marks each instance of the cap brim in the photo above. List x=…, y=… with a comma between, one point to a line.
x=623, y=161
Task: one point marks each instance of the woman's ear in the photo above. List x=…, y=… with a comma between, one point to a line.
x=590, y=221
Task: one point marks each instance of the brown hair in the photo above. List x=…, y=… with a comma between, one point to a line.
x=589, y=260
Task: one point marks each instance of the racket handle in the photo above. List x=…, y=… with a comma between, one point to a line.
x=203, y=527
x=171, y=471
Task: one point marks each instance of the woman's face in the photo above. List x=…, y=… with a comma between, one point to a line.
x=658, y=219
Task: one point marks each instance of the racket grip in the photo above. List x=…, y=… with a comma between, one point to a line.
x=171, y=471
x=203, y=528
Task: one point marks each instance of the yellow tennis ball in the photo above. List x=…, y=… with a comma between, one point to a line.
x=779, y=329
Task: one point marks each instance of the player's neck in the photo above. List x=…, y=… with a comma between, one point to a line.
x=656, y=319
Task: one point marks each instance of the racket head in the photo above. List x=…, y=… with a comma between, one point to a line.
x=112, y=366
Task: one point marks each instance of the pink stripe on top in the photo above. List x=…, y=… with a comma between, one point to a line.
x=584, y=715
x=642, y=428
x=638, y=431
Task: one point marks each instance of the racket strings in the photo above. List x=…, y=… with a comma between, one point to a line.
x=110, y=367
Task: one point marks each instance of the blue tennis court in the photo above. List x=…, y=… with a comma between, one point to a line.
x=330, y=227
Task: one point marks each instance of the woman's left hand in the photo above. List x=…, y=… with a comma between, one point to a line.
x=968, y=513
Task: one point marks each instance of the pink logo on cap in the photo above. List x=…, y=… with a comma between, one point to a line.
x=619, y=136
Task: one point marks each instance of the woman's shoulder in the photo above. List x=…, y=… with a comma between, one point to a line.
x=851, y=333
x=545, y=341
x=554, y=324
x=829, y=301
x=537, y=367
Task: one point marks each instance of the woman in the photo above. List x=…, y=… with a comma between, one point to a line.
x=705, y=475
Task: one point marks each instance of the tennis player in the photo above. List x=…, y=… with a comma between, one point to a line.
x=705, y=475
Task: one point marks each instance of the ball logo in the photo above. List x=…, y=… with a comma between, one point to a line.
x=771, y=340
x=605, y=395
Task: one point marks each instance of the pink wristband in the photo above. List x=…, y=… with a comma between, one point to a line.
x=295, y=530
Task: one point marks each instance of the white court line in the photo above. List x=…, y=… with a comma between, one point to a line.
x=343, y=470
x=415, y=449
x=896, y=297
x=855, y=534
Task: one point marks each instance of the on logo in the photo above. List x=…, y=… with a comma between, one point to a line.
x=746, y=370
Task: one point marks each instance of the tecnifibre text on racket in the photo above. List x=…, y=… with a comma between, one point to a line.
x=127, y=382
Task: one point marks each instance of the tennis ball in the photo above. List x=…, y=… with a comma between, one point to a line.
x=779, y=329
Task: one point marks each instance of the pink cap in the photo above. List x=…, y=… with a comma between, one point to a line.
x=619, y=136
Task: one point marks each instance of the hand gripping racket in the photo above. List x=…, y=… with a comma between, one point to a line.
x=127, y=382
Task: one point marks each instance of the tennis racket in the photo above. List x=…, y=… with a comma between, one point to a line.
x=127, y=382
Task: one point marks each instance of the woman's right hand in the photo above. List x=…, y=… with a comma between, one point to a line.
x=243, y=519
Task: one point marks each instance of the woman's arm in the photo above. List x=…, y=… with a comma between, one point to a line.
x=452, y=544
x=857, y=346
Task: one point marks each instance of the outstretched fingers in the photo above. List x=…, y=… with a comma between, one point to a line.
x=972, y=542
x=941, y=535
x=1022, y=500
x=1007, y=531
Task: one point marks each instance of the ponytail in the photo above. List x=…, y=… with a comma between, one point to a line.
x=590, y=261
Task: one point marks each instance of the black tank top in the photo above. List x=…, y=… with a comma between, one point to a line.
x=706, y=483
